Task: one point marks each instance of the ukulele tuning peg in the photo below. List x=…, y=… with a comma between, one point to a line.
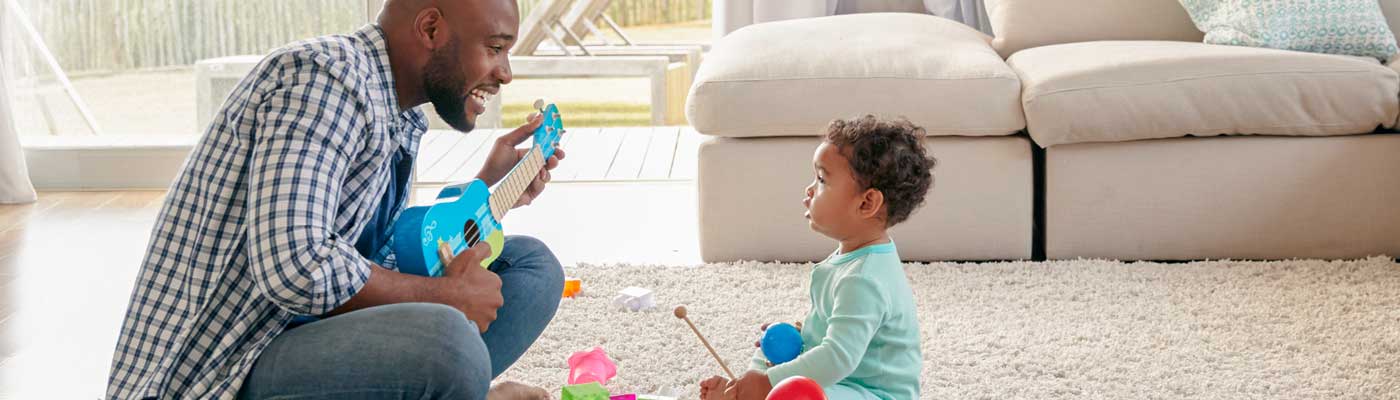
x=539, y=105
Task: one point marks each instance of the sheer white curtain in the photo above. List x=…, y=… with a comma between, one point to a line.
x=15, y=186
x=869, y=6
x=777, y=10
x=970, y=12
x=733, y=14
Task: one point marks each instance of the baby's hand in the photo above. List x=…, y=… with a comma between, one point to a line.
x=713, y=388
x=753, y=385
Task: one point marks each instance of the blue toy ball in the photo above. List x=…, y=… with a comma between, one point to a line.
x=781, y=343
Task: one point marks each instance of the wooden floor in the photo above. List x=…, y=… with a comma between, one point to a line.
x=65, y=262
x=663, y=153
x=68, y=262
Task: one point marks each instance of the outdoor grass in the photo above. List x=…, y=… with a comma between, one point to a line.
x=591, y=114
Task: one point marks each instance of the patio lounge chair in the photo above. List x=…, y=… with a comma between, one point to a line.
x=669, y=69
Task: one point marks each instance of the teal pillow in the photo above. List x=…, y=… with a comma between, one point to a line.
x=1350, y=27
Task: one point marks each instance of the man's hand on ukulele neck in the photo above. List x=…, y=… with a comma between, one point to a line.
x=537, y=185
x=504, y=155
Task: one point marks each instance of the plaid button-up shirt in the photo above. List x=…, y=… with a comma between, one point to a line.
x=260, y=225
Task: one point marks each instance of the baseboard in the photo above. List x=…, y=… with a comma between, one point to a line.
x=105, y=162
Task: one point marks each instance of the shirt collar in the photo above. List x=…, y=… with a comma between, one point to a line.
x=406, y=127
x=842, y=258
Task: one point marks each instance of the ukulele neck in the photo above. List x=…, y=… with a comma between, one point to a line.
x=510, y=188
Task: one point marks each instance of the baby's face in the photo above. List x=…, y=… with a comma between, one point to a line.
x=833, y=199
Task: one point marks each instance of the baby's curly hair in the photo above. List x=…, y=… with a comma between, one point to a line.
x=887, y=156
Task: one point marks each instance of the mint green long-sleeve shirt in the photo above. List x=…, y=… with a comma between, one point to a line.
x=863, y=330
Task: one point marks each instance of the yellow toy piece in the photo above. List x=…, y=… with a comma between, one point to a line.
x=572, y=287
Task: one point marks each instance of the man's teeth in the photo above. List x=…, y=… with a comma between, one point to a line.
x=480, y=95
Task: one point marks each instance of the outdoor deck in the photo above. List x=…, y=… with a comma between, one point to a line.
x=664, y=153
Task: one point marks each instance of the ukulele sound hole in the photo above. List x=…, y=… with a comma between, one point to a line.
x=471, y=233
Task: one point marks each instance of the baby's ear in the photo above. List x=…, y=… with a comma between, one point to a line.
x=872, y=204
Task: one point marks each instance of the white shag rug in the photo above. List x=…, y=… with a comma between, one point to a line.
x=1049, y=330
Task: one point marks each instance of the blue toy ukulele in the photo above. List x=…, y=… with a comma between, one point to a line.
x=467, y=213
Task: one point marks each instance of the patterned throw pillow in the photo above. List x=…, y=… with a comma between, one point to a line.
x=1351, y=27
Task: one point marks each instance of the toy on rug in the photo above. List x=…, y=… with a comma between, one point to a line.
x=587, y=391
x=589, y=371
x=591, y=366
x=594, y=391
x=681, y=313
x=635, y=299
x=781, y=343
x=572, y=287
x=797, y=388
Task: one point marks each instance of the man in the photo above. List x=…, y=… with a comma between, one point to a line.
x=270, y=273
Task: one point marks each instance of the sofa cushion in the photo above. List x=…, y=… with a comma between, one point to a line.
x=1023, y=24
x=1395, y=65
x=1391, y=9
x=1132, y=90
x=792, y=78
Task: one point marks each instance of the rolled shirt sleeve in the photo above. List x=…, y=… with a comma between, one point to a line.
x=299, y=163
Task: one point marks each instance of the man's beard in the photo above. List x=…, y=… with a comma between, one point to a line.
x=444, y=83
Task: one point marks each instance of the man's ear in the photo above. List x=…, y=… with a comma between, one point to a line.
x=430, y=29
x=872, y=204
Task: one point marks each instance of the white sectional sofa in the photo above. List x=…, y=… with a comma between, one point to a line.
x=1113, y=133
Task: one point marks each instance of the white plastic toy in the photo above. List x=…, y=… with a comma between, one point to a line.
x=635, y=299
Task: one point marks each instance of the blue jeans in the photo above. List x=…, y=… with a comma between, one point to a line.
x=414, y=350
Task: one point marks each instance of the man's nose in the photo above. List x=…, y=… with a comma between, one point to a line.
x=503, y=73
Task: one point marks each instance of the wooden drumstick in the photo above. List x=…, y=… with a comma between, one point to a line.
x=680, y=313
